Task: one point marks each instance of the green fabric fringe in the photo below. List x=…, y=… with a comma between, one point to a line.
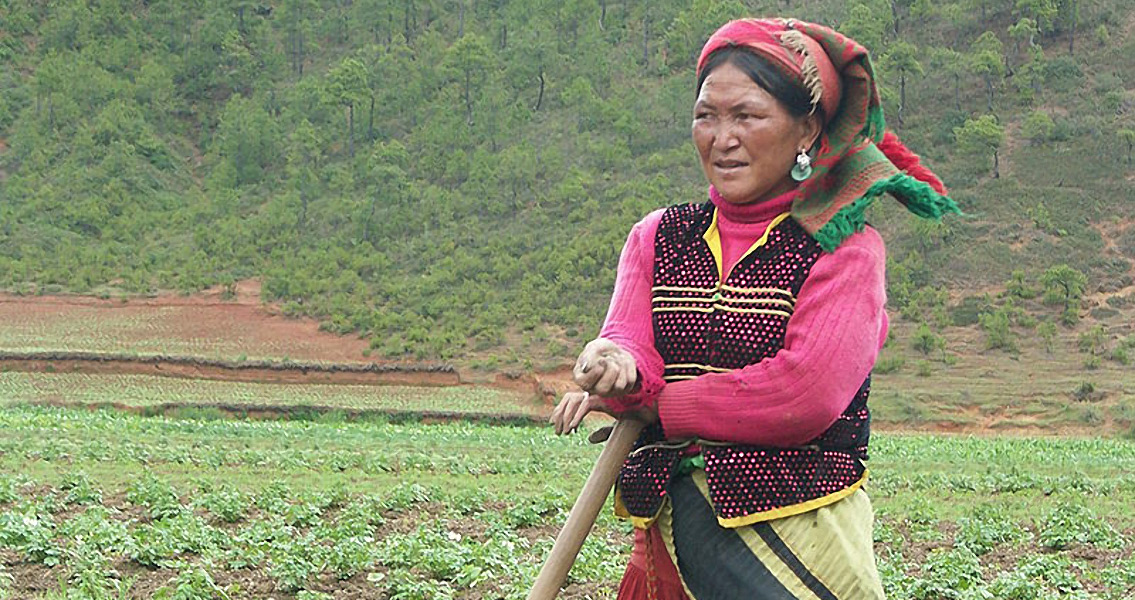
x=847, y=221
x=876, y=124
x=918, y=197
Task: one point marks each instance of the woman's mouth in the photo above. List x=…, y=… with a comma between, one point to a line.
x=729, y=166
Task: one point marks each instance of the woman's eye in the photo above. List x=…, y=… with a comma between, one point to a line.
x=701, y=116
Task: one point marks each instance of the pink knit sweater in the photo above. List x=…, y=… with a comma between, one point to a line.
x=833, y=337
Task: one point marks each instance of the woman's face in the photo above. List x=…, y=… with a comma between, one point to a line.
x=747, y=140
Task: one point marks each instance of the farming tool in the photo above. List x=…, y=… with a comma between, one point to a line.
x=586, y=508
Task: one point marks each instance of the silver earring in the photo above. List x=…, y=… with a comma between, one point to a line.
x=803, y=168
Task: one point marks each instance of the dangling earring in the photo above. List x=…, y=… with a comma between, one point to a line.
x=803, y=168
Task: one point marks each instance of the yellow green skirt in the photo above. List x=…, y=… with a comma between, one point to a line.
x=823, y=554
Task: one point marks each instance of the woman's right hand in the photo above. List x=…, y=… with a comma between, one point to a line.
x=574, y=406
x=605, y=369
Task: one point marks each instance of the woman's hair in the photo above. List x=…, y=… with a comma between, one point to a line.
x=786, y=90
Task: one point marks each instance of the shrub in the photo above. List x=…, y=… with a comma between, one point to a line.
x=1118, y=301
x=1103, y=313
x=1094, y=340
x=1038, y=127
x=906, y=276
x=557, y=349
x=928, y=303
x=968, y=311
x=1018, y=286
x=1044, y=221
x=1064, y=285
x=1086, y=391
x=1046, y=331
x=1063, y=73
x=926, y=341
x=1026, y=320
x=998, y=333
x=1102, y=35
x=1091, y=416
x=889, y=364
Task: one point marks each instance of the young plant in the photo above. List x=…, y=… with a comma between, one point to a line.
x=192, y=583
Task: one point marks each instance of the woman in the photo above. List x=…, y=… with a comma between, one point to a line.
x=744, y=329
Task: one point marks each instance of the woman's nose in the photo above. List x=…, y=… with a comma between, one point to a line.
x=725, y=138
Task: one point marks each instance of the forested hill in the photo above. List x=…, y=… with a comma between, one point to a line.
x=455, y=178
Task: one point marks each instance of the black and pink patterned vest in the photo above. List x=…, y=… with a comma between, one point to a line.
x=703, y=325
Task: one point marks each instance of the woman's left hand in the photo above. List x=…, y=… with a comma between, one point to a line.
x=574, y=406
x=606, y=369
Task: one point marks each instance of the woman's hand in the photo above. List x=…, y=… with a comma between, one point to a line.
x=574, y=406
x=605, y=369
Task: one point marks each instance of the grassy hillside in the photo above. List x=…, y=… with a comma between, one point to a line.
x=454, y=179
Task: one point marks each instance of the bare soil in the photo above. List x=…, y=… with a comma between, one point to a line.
x=212, y=323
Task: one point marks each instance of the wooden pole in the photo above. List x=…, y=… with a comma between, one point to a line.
x=586, y=509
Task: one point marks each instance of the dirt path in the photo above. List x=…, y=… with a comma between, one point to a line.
x=272, y=412
x=548, y=387
x=219, y=370
x=1111, y=232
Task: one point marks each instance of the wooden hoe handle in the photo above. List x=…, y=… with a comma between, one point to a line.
x=586, y=509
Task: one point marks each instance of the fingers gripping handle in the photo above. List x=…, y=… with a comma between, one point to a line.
x=586, y=509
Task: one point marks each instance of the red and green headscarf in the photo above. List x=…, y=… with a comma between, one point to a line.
x=858, y=160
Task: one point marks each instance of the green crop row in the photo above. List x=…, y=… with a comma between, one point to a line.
x=219, y=509
x=143, y=391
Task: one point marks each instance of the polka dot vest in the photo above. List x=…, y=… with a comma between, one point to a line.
x=704, y=325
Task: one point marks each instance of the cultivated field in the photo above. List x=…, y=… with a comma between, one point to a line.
x=101, y=504
x=205, y=325
x=961, y=388
x=150, y=394
x=146, y=481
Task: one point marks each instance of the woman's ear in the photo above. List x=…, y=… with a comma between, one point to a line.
x=812, y=130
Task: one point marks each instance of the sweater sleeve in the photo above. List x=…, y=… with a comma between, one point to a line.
x=628, y=321
x=830, y=345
